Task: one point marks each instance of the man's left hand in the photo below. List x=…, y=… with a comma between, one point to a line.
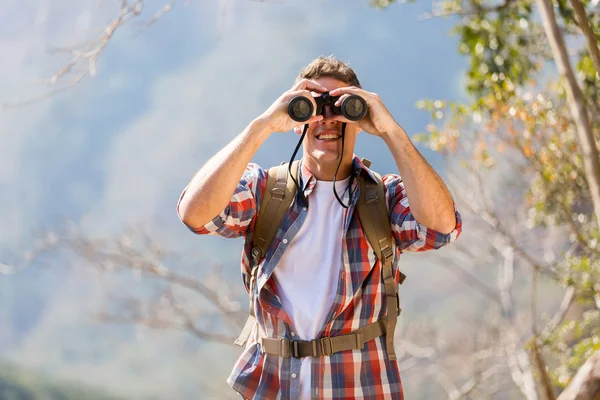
x=378, y=120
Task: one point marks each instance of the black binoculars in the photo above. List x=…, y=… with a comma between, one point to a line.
x=353, y=107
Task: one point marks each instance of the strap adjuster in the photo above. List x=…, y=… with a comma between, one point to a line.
x=387, y=254
x=288, y=348
x=278, y=193
x=256, y=253
x=371, y=194
x=285, y=347
x=324, y=342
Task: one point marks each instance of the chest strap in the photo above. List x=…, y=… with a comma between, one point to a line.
x=326, y=346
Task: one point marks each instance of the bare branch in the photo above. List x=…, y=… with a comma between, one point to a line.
x=469, y=386
x=520, y=367
x=467, y=277
x=156, y=323
x=540, y=365
x=85, y=56
x=162, y=11
x=136, y=252
x=44, y=244
x=558, y=317
x=586, y=383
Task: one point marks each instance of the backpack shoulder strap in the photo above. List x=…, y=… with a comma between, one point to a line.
x=374, y=218
x=277, y=198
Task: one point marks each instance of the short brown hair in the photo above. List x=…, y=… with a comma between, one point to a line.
x=329, y=66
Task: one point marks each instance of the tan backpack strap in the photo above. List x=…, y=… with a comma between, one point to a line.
x=277, y=198
x=375, y=221
x=325, y=346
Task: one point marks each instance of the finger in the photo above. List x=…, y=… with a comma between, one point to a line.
x=348, y=90
x=300, y=92
x=304, y=93
x=306, y=84
x=341, y=99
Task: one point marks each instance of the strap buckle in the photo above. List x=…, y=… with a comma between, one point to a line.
x=288, y=348
x=278, y=193
x=323, y=342
x=371, y=194
x=256, y=254
x=386, y=253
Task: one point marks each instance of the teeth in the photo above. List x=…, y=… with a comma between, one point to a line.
x=329, y=136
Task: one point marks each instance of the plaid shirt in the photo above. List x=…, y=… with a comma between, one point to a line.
x=360, y=298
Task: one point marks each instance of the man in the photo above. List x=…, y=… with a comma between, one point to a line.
x=319, y=278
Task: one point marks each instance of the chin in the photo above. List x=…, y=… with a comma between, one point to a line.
x=324, y=157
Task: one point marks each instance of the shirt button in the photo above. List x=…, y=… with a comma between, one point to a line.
x=294, y=375
x=293, y=333
x=284, y=241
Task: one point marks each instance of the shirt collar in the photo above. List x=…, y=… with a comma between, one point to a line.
x=309, y=180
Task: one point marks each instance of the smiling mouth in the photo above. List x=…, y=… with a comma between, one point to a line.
x=328, y=136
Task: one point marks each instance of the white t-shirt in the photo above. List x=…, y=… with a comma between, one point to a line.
x=308, y=272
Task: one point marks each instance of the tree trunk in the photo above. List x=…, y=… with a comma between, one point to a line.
x=586, y=384
x=577, y=103
x=540, y=365
x=584, y=24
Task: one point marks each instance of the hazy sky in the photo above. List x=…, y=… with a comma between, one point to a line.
x=119, y=148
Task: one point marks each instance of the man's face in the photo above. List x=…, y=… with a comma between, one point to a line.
x=323, y=142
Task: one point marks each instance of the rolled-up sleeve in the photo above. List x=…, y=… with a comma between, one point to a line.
x=409, y=234
x=235, y=219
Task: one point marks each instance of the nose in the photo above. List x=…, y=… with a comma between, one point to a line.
x=327, y=115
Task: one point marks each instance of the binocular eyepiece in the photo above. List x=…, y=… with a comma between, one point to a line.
x=353, y=107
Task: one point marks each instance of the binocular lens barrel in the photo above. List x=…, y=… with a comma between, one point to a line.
x=353, y=107
x=300, y=109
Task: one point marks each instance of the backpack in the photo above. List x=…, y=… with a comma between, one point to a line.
x=372, y=211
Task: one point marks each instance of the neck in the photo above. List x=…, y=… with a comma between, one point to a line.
x=327, y=172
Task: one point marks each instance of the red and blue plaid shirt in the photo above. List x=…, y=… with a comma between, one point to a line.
x=360, y=298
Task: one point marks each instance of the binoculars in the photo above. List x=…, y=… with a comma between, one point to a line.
x=353, y=107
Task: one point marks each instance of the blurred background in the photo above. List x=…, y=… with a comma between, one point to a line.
x=108, y=108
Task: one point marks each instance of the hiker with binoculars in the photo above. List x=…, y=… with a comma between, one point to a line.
x=323, y=239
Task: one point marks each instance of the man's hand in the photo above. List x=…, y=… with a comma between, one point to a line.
x=378, y=120
x=277, y=118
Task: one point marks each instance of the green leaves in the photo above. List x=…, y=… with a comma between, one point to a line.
x=572, y=344
x=517, y=119
x=500, y=42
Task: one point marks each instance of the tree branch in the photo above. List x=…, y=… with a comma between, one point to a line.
x=586, y=383
x=85, y=56
x=558, y=317
x=576, y=101
x=586, y=29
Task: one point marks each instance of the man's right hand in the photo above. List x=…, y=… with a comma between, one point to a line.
x=277, y=118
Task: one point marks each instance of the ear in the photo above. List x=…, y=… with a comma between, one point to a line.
x=298, y=130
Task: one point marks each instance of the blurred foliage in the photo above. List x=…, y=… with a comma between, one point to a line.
x=21, y=384
x=385, y=3
x=573, y=344
x=518, y=114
